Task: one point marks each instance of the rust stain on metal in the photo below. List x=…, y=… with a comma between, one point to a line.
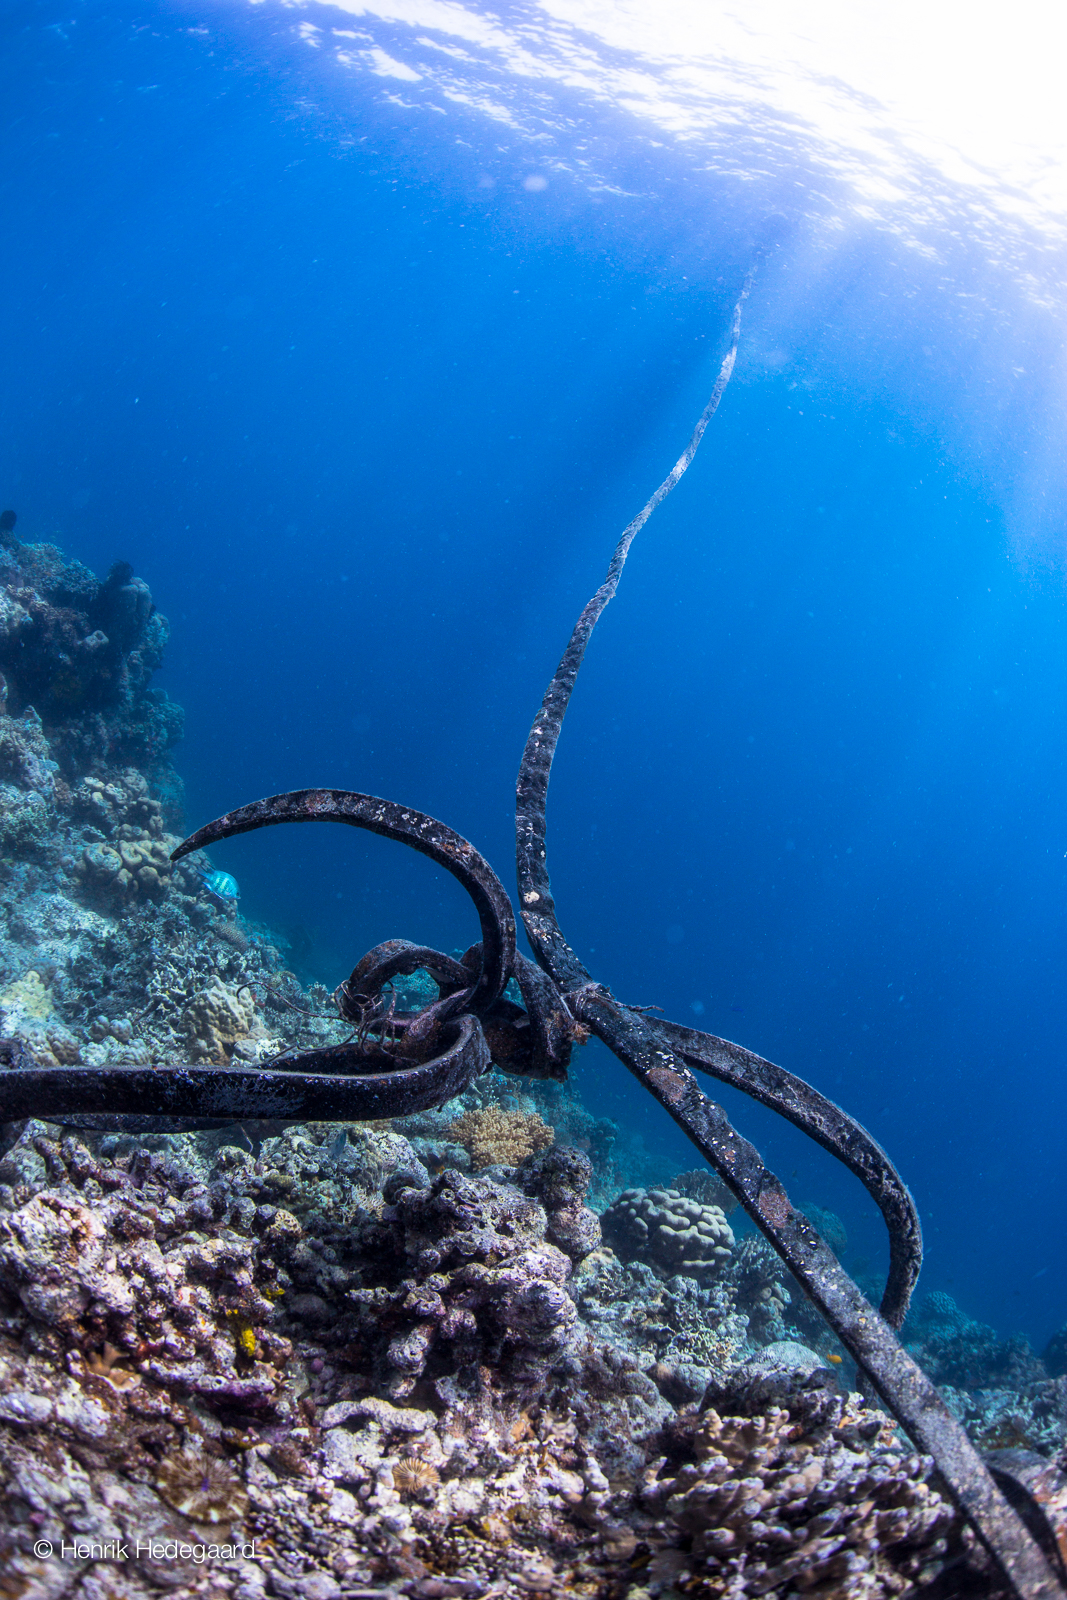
x=774, y=1206
x=670, y=1084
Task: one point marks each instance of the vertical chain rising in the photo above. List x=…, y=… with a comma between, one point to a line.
x=659, y=1058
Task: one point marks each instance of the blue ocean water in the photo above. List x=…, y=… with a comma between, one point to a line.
x=361, y=334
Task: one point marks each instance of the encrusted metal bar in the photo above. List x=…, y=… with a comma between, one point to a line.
x=900, y=1382
x=330, y=1085
x=423, y=833
x=829, y=1126
x=551, y=1022
x=393, y=959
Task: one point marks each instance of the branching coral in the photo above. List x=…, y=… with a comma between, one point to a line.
x=760, y=1288
x=496, y=1137
x=489, y=1285
x=700, y=1183
x=829, y=1500
x=957, y=1350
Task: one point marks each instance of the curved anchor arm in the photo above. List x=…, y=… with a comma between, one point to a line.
x=829, y=1126
x=332, y=1085
x=395, y=958
x=423, y=833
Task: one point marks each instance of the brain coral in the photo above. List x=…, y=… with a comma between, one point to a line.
x=496, y=1137
x=668, y=1231
x=121, y=801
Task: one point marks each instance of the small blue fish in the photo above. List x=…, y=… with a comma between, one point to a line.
x=220, y=884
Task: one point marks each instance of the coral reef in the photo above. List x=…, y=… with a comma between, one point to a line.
x=669, y=1231
x=344, y=1376
x=704, y=1185
x=815, y=1493
x=77, y=655
x=682, y=1336
x=107, y=953
x=762, y=1293
x=404, y=1358
x=1054, y=1355
x=957, y=1350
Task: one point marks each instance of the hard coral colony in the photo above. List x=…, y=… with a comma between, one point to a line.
x=399, y=1352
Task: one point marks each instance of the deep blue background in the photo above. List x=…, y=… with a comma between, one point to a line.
x=368, y=415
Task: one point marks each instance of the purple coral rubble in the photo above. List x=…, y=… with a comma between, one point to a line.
x=399, y=1391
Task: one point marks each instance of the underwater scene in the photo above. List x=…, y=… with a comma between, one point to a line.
x=624, y=440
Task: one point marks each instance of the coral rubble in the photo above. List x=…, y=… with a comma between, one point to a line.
x=345, y=1374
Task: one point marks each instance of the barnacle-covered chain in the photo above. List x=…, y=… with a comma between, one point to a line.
x=657, y=1055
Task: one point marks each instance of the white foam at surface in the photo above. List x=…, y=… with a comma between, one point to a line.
x=893, y=95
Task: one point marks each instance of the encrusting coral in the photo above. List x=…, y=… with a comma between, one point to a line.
x=215, y=1018
x=560, y=1178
